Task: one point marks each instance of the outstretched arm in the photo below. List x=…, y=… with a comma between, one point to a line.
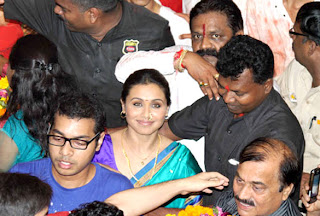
x=141, y=200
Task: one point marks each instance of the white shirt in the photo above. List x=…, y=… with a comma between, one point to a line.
x=178, y=25
x=304, y=101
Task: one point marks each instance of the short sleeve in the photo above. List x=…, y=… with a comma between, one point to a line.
x=192, y=121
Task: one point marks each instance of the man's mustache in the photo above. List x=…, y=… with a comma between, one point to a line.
x=248, y=202
x=210, y=52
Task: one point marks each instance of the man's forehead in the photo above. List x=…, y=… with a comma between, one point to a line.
x=214, y=21
x=244, y=79
x=63, y=121
x=67, y=4
x=260, y=171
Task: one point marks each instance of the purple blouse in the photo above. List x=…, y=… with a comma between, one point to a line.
x=106, y=154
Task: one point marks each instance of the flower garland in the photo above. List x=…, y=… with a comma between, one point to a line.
x=4, y=94
x=201, y=211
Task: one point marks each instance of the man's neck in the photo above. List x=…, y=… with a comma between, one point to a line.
x=77, y=180
x=106, y=22
x=154, y=7
x=315, y=73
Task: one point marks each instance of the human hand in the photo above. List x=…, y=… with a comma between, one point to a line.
x=185, y=36
x=304, y=182
x=203, y=72
x=182, y=15
x=1, y=2
x=312, y=208
x=202, y=182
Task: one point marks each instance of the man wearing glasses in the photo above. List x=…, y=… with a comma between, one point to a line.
x=76, y=133
x=300, y=82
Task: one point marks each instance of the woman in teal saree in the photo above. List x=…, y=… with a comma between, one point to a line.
x=139, y=151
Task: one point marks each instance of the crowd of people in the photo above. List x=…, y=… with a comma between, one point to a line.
x=126, y=107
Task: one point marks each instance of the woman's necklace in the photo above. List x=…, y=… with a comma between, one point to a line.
x=142, y=163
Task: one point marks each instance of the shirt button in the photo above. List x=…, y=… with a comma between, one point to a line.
x=229, y=131
x=219, y=158
x=98, y=70
x=99, y=44
x=94, y=94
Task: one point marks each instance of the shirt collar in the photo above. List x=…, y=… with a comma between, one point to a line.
x=125, y=27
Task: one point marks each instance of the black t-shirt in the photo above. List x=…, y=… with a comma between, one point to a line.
x=93, y=62
x=226, y=137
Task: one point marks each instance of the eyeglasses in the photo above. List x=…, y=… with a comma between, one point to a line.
x=292, y=32
x=74, y=142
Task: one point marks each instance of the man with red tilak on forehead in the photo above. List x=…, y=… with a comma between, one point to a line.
x=248, y=108
x=212, y=24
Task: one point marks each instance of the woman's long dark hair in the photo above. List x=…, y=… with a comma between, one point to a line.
x=36, y=84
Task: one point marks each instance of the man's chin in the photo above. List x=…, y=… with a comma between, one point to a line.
x=234, y=109
x=211, y=59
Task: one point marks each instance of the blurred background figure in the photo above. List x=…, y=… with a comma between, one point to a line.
x=270, y=21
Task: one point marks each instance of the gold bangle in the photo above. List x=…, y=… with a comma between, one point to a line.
x=183, y=54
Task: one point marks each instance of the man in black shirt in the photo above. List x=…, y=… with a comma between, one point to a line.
x=91, y=36
x=249, y=108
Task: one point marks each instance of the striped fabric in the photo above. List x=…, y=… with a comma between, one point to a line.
x=228, y=204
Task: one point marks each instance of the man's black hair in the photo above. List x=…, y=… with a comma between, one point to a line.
x=309, y=18
x=80, y=106
x=262, y=149
x=244, y=52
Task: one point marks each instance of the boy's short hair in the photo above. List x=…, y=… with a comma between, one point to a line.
x=23, y=194
x=97, y=208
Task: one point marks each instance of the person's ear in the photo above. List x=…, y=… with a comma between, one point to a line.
x=287, y=191
x=240, y=32
x=93, y=14
x=167, y=111
x=100, y=140
x=268, y=85
x=123, y=105
x=312, y=47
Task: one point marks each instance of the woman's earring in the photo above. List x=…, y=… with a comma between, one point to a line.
x=122, y=115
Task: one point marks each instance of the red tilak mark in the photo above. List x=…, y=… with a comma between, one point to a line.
x=204, y=30
x=227, y=87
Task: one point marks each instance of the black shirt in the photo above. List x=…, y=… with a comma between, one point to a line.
x=93, y=62
x=226, y=137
